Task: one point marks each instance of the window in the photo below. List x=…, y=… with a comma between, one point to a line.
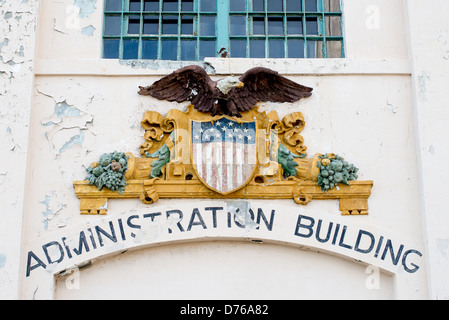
x=195, y=29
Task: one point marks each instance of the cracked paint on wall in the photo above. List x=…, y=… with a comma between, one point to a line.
x=52, y=208
x=74, y=19
x=88, y=31
x=16, y=55
x=18, y=21
x=70, y=120
x=2, y=260
x=87, y=7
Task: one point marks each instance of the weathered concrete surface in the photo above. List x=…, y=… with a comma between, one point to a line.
x=17, y=49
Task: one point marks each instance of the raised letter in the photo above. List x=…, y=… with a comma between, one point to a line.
x=111, y=236
x=170, y=221
x=260, y=214
x=30, y=267
x=195, y=213
x=214, y=214
x=61, y=252
x=318, y=229
x=132, y=225
x=404, y=261
x=82, y=242
x=359, y=237
x=389, y=246
x=309, y=227
x=342, y=238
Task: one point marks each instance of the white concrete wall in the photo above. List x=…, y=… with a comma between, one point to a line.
x=429, y=57
x=17, y=59
x=381, y=108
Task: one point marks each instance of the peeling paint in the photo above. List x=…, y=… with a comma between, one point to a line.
x=87, y=7
x=63, y=109
x=68, y=123
x=443, y=247
x=88, y=31
x=2, y=260
x=391, y=107
x=75, y=140
x=242, y=215
x=165, y=64
x=47, y=211
x=423, y=79
x=51, y=209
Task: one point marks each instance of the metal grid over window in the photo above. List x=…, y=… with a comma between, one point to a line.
x=195, y=29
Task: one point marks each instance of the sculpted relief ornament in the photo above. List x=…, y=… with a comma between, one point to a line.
x=222, y=146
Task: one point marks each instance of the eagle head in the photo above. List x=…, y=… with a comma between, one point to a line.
x=225, y=85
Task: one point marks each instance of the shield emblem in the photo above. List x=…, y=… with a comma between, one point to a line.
x=224, y=153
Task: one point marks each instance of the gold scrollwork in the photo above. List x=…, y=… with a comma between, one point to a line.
x=157, y=128
x=293, y=124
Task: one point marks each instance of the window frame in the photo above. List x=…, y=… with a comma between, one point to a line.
x=223, y=37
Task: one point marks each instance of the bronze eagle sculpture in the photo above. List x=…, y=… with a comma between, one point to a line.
x=228, y=96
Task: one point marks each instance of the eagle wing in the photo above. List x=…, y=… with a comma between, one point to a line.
x=262, y=84
x=190, y=83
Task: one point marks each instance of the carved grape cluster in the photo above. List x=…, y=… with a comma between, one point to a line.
x=109, y=172
x=334, y=170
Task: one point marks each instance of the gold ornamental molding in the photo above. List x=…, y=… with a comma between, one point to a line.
x=281, y=168
x=223, y=147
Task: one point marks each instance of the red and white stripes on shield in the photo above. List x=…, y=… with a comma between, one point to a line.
x=224, y=153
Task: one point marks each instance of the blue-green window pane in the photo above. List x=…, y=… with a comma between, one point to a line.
x=134, y=25
x=276, y=48
x=131, y=49
x=150, y=25
x=111, y=48
x=187, y=25
x=294, y=25
x=170, y=5
x=188, y=49
x=312, y=26
x=112, y=25
x=149, y=49
x=311, y=5
x=170, y=25
x=257, y=48
x=169, y=49
x=258, y=26
x=274, y=5
x=134, y=5
x=238, y=25
x=295, y=48
x=113, y=5
x=275, y=25
x=151, y=5
x=238, y=48
x=207, y=49
x=314, y=49
x=187, y=5
x=258, y=5
x=294, y=5
x=208, y=5
x=207, y=25
x=237, y=5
